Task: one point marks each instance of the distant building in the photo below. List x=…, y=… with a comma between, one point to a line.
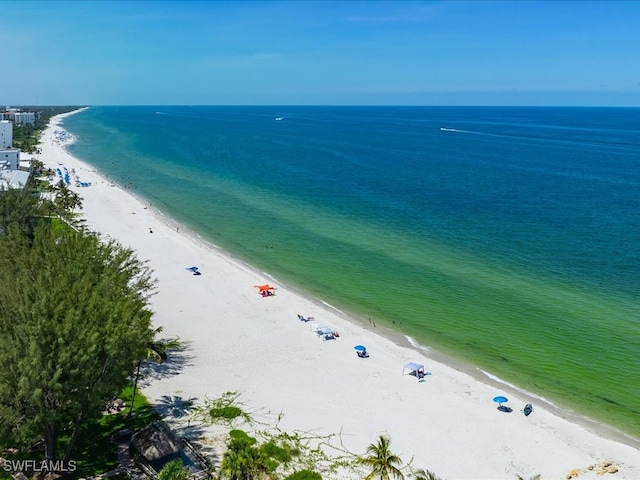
x=17, y=116
x=6, y=134
x=22, y=117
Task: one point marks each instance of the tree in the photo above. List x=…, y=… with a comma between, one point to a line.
x=422, y=474
x=65, y=200
x=241, y=460
x=155, y=350
x=384, y=464
x=244, y=460
x=73, y=318
x=174, y=470
x=19, y=209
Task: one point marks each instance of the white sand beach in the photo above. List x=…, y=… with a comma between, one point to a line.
x=242, y=342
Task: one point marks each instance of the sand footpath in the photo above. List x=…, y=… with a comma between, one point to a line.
x=242, y=342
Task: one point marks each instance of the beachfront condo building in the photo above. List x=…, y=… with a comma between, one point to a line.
x=23, y=117
x=17, y=117
x=6, y=134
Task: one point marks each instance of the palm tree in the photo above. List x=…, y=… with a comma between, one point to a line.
x=174, y=470
x=65, y=200
x=156, y=350
x=242, y=460
x=384, y=464
x=422, y=474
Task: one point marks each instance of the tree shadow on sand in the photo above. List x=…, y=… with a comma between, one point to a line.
x=175, y=406
x=177, y=359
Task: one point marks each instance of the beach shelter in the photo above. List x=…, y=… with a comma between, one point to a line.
x=412, y=368
x=266, y=290
x=326, y=333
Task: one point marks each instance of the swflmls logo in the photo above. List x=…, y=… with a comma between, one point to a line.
x=39, y=466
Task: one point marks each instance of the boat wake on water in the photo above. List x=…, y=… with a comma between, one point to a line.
x=457, y=131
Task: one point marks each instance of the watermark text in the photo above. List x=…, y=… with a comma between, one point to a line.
x=38, y=466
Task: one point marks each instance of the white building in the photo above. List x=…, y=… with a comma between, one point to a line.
x=6, y=134
x=22, y=117
x=13, y=179
x=9, y=158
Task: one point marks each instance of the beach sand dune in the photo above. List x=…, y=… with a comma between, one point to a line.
x=241, y=342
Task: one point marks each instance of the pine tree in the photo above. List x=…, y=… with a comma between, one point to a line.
x=74, y=318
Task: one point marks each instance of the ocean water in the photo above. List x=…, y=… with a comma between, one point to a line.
x=508, y=238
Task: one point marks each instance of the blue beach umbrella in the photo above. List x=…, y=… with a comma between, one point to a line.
x=360, y=348
x=500, y=399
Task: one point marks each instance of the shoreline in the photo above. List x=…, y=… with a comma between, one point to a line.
x=561, y=421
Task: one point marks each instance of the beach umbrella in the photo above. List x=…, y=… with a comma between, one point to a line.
x=360, y=348
x=500, y=399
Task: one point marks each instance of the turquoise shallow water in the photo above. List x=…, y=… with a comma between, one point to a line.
x=506, y=237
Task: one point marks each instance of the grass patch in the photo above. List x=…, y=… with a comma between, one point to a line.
x=222, y=410
x=227, y=413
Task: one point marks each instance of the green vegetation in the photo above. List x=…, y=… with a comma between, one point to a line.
x=384, y=464
x=174, y=470
x=64, y=202
x=304, y=475
x=74, y=319
x=422, y=474
x=246, y=459
x=269, y=453
x=73, y=316
x=222, y=410
x=20, y=211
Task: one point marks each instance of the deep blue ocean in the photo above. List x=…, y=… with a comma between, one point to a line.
x=506, y=237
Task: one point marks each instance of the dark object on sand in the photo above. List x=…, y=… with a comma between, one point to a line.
x=528, y=408
x=505, y=409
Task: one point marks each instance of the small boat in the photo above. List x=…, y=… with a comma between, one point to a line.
x=528, y=408
x=279, y=118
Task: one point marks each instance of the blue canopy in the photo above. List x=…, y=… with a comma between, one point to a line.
x=360, y=348
x=500, y=399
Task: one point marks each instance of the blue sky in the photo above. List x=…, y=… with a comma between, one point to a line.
x=320, y=53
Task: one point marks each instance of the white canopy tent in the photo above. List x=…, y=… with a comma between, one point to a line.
x=412, y=368
x=326, y=333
